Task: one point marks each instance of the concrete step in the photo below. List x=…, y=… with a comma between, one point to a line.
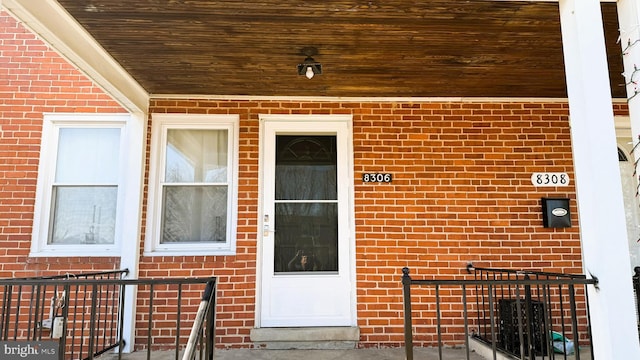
x=307, y=338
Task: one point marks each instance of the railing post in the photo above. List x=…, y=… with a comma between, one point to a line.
x=179, y=316
x=211, y=320
x=466, y=320
x=574, y=320
x=492, y=325
x=408, y=327
x=6, y=305
x=197, y=328
x=530, y=324
x=62, y=348
x=121, y=320
x=150, y=320
x=636, y=290
x=438, y=322
x=92, y=321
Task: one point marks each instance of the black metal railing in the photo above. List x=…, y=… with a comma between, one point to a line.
x=530, y=316
x=35, y=309
x=84, y=313
x=499, y=313
x=636, y=291
x=204, y=323
x=167, y=309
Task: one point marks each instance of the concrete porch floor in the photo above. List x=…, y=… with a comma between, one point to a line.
x=353, y=354
x=477, y=351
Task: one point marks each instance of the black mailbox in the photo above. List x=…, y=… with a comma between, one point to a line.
x=556, y=213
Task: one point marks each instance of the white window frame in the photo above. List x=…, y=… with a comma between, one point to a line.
x=52, y=123
x=161, y=123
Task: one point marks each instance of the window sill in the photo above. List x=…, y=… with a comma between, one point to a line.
x=189, y=252
x=77, y=252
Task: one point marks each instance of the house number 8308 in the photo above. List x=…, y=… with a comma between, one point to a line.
x=550, y=179
x=370, y=178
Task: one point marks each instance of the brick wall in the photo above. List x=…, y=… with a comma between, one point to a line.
x=34, y=80
x=461, y=193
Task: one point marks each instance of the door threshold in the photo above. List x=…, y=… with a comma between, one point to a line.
x=325, y=338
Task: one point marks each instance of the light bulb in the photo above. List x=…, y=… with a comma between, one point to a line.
x=309, y=73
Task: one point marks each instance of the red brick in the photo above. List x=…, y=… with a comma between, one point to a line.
x=461, y=191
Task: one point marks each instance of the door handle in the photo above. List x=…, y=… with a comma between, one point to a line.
x=266, y=230
x=265, y=227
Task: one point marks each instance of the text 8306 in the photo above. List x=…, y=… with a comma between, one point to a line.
x=377, y=178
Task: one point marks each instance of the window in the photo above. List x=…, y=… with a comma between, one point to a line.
x=192, y=195
x=79, y=185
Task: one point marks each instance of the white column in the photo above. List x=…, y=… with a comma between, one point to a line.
x=599, y=189
x=130, y=248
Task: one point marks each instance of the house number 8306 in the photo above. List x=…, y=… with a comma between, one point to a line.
x=370, y=178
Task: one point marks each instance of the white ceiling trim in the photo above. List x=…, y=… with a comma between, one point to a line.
x=414, y=99
x=57, y=28
x=602, y=1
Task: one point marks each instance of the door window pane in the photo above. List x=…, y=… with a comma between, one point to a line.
x=306, y=212
x=306, y=238
x=306, y=168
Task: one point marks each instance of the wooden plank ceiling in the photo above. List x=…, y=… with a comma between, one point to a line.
x=387, y=48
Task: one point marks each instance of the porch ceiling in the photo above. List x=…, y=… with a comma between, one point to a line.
x=386, y=48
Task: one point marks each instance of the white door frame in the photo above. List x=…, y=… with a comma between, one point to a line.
x=310, y=124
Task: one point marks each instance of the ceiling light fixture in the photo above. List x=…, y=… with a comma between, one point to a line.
x=309, y=67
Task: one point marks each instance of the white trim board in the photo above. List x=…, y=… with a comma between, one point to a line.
x=61, y=31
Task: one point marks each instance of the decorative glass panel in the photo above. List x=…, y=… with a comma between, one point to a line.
x=306, y=168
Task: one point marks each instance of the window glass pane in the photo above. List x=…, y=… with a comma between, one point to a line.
x=196, y=156
x=83, y=215
x=306, y=237
x=88, y=156
x=306, y=168
x=194, y=214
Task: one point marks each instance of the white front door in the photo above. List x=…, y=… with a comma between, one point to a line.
x=306, y=239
